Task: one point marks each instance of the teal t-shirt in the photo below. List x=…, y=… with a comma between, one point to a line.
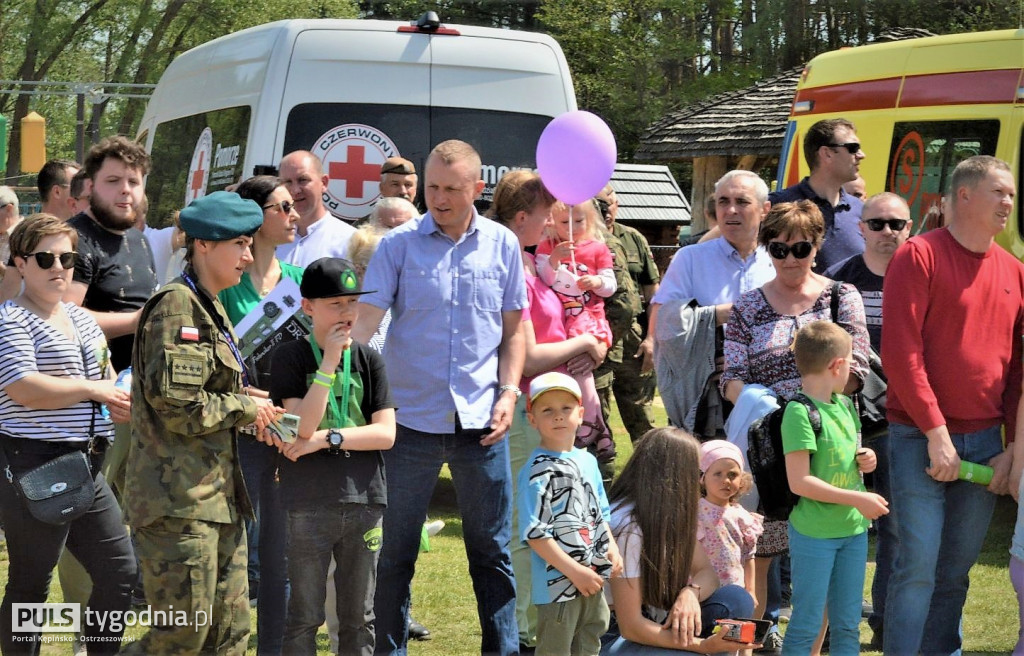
x=239, y=300
x=834, y=460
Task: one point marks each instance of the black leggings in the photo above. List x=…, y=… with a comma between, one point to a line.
x=97, y=539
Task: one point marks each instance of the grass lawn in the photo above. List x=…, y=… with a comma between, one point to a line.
x=443, y=595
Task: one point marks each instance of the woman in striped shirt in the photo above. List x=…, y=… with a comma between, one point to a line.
x=54, y=376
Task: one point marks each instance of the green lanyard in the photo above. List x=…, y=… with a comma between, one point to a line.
x=346, y=385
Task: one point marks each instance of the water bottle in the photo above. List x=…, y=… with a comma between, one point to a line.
x=123, y=382
x=975, y=473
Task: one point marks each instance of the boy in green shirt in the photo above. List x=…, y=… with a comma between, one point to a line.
x=828, y=526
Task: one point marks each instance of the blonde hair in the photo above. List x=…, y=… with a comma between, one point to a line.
x=363, y=244
x=453, y=150
x=819, y=343
x=517, y=191
x=27, y=234
x=593, y=221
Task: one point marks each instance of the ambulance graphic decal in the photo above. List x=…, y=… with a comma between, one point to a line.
x=199, y=169
x=352, y=155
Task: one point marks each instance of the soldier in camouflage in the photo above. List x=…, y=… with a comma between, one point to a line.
x=187, y=500
x=628, y=369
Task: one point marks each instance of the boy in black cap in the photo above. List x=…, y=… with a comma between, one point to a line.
x=332, y=483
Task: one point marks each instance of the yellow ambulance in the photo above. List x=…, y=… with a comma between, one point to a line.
x=920, y=107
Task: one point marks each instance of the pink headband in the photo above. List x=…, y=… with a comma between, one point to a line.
x=715, y=450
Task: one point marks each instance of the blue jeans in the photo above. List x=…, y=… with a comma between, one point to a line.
x=259, y=462
x=727, y=602
x=351, y=532
x=888, y=539
x=941, y=530
x=483, y=488
x=840, y=563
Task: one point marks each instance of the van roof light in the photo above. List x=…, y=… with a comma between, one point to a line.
x=430, y=24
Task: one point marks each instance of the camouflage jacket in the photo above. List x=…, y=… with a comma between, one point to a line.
x=186, y=409
x=640, y=259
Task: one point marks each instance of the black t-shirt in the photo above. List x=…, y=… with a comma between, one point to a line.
x=119, y=272
x=319, y=478
x=854, y=271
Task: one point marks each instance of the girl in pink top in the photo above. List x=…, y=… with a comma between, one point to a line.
x=726, y=530
x=576, y=263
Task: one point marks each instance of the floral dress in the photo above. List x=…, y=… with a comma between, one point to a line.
x=757, y=350
x=729, y=537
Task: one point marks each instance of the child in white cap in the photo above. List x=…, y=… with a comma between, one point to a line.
x=726, y=530
x=563, y=516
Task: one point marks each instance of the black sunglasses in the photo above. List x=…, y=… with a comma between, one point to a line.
x=780, y=251
x=286, y=206
x=851, y=146
x=45, y=259
x=876, y=225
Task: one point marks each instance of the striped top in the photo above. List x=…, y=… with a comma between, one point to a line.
x=28, y=345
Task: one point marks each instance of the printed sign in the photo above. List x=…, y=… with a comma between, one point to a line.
x=352, y=155
x=199, y=169
x=277, y=319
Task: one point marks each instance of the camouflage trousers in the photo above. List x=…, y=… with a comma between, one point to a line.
x=196, y=572
x=634, y=391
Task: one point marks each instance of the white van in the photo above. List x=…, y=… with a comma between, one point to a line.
x=354, y=92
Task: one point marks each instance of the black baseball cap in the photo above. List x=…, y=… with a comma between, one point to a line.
x=329, y=277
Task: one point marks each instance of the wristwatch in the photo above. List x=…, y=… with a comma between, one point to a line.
x=511, y=388
x=334, y=440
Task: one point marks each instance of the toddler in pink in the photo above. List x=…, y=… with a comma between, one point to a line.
x=576, y=263
x=726, y=530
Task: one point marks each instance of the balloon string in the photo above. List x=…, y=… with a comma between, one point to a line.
x=572, y=251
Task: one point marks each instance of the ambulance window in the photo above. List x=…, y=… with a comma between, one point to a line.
x=195, y=155
x=924, y=153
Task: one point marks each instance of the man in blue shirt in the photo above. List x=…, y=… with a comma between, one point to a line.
x=833, y=154
x=454, y=353
x=701, y=284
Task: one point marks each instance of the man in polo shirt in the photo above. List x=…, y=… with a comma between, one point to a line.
x=701, y=284
x=454, y=283
x=320, y=233
x=833, y=154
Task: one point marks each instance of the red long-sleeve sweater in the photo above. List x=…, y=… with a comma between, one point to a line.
x=951, y=344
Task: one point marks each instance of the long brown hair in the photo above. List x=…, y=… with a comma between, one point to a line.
x=662, y=481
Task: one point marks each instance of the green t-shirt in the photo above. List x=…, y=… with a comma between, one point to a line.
x=239, y=300
x=833, y=461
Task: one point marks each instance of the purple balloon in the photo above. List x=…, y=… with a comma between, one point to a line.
x=576, y=156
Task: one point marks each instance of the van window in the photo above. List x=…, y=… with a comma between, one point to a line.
x=194, y=156
x=354, y=139
x=924, y=153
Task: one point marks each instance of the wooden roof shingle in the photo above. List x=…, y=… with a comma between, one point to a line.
x=649, y=194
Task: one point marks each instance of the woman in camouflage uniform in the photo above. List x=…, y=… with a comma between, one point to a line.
x=187, y=500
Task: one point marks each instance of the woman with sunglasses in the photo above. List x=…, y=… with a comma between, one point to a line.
x=55, y=374
x=267, y=564
x=764, y=321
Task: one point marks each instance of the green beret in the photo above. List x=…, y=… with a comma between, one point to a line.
x=220, y=216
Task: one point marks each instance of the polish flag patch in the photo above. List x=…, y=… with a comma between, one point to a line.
x=189, y=334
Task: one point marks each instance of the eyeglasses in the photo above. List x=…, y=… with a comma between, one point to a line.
x=781, y=251
x=45, y=259
x=877, y=225
x=286, y=206
x=851, y=146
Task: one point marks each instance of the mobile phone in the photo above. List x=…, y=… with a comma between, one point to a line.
x=285, y=427
x=745, y=630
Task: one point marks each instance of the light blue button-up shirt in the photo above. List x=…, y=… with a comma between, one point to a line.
x=713, y=272
x=446, y=300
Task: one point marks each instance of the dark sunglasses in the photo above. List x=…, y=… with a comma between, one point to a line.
x=851, y=146
x=45, y=259
x=286, y=206
x=781, y=251
x=876, y=225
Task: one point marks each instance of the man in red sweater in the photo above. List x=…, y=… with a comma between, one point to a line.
x=952, y=351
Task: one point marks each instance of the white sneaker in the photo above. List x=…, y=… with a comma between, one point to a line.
x=434, y=527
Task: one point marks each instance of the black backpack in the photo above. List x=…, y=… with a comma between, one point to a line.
x=768, y=460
